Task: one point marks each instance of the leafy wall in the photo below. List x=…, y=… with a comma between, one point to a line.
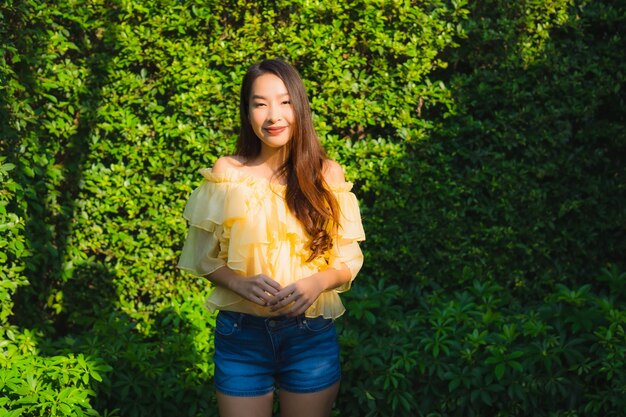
x=486, y=145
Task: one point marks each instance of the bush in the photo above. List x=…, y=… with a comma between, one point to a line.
x=36, y=385
x=30, y=383
x=485, y=143
x=479, y=352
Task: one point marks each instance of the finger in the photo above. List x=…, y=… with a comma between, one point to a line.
x=281, y=303
x=268, y=289
x=270, y=286
x=296, y=309
x=277, y=305
x=280, y=297
x=261, y=297
x=288, y=291
x=257, y=299
x=287, y=302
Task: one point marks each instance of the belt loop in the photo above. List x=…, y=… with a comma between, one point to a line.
x=301, y=321
x=240, y=320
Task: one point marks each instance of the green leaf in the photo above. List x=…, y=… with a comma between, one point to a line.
x=499, y=370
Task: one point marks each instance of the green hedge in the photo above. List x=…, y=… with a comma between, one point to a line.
x=486, y=145
x=479, y=352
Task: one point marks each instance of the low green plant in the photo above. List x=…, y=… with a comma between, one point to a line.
x=35, y=385
x=479, y=352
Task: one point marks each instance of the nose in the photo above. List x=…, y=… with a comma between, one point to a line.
x=274, y=114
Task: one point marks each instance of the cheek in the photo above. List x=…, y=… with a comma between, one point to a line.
x=255, y=120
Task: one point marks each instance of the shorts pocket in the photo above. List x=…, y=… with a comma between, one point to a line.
x=227, y=323
x=317, y=324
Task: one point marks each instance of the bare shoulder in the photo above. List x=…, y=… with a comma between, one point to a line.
x=225, y=163
x=333, y=172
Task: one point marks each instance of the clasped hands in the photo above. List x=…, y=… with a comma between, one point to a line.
x=292, y=300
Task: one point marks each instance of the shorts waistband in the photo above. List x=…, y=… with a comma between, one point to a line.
x=271, y=323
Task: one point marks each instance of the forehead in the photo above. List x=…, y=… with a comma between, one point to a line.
x=268, y=85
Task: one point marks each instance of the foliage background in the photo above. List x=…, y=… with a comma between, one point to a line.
x=486, y=143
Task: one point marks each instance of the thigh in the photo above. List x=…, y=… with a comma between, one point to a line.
x=314, y=404
x=230, y=406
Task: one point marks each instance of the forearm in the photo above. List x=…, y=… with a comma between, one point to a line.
x=223, y=277
x=333, y=278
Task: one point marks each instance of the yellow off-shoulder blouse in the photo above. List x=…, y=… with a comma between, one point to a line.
x=243, y=221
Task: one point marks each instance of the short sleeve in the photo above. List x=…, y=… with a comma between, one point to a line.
x=346, y=250
x=205, y=248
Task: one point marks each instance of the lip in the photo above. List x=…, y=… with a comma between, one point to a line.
x=275, y=130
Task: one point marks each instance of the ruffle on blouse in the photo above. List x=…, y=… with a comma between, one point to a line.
x=243, y=221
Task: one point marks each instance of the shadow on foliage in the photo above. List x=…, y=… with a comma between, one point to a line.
x=498, y=291
x=158, y=371
x=49, y=163
x=522, y=183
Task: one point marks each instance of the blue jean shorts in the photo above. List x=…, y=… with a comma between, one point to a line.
x=255, y=354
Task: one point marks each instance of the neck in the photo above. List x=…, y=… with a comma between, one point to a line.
x=272, y=158
x=269, y=162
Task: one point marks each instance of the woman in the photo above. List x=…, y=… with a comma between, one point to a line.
x=275, y=228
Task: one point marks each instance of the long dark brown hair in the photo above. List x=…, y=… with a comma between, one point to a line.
x=307, y=194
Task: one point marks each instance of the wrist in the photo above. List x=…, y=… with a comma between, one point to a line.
x=332, y=278
x=232, y=285
x=320, y=281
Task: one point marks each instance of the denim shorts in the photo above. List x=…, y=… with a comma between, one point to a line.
x=255, y=354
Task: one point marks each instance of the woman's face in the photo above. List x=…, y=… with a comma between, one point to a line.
x=271, y=114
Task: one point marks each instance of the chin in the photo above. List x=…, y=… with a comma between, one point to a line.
x=275, y=142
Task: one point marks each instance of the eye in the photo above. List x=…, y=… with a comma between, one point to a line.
x=255, y=105
x=286, y=102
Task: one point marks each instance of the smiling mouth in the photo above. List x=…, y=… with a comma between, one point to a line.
x=275, y=130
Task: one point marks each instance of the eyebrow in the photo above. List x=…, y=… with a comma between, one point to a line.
x=256, y=96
